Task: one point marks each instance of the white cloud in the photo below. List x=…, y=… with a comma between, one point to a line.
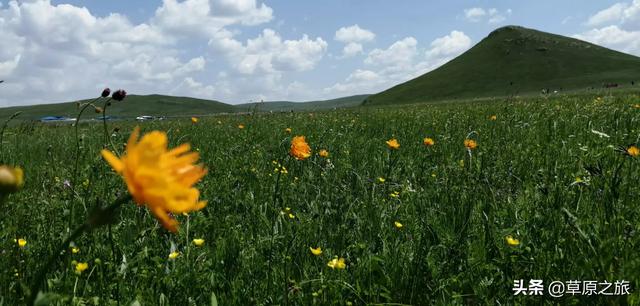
x=612, y=14
x=268, y=53
x=474, y=14
x=491, y=15
x=352, y=49
x=400, y=62
x=613, y=37
x=399, y=53
x=206, y=17
x=354, y=37
x=616, y=27
x=354, y=34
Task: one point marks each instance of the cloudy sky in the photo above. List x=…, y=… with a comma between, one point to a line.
x=246, y=50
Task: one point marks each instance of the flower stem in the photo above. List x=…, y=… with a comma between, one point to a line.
x=95, y=220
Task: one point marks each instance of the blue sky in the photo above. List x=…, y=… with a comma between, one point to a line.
x=245, y=50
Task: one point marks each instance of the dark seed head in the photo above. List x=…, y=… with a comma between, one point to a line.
x=119, y=95
x=106, y=92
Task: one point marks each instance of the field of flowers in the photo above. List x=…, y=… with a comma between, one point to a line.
x=430, y=204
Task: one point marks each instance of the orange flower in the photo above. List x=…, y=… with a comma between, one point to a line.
x=323, y=153
x=393, y=144
x=159, y=178
x=300, y=148
x=428, y=142
x=241, y=126
x=470, y=144
x=633, y=151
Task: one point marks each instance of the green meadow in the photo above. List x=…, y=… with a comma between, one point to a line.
x=418, y=225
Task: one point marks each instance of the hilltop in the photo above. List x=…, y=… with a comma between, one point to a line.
x=514, y=60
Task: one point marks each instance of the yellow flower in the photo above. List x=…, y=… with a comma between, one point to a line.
x=75, y=250
x=512, y=241
x=633, y=151
x=198, y=241
x=159, y=178
x=241, y=126
x=393, y=144
x=174, y=255
x=337, y=263
x=470, y=144
x=428, y=142
x=323, y=153
x=636, y=105
x=21, y=242
x=493, y=118
x=395, y=194
x=287, y=130
x=81, y=266
x=11, y=179
x=381, y=179
x=300, y=148
x=194, y=120
x=398, y=225
x=292, y=216
x=317, y=251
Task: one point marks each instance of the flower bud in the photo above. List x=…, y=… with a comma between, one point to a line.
x=11, y=179
x=106, y=92
x=119, y=95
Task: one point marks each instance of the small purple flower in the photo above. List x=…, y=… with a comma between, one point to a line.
x=106, y=92
x=119, y=95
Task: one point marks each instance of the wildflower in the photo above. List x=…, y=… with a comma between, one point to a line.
x=300, y=148
x=291, y=216
x=11, y=179
x=395, y=194
x=470, y=144
x=287, y=130
x=323, y=153
x=636, y=105
x=381, y=180
x=512, y=241
x=98, y=109
x=21, y=242
x=119, y=95
x=337, y=263
x=493, y=118
x=106, y=92
x=317, y=251
x=198, y=241
x=461, y=163
x=159, y=178
x=174, y=255
x=393, y=144
x=241, y=126
x=81, y=266
x=633, y=151
x=398, y=225
x=194, y=120
x=75, y=250
x=428, y=142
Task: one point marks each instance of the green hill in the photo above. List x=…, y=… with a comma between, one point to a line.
x=283, y=106
x=516, y=60
x=131, y=107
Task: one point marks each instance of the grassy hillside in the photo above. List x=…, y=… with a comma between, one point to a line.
x=514, y=60
x=132, y=106
x=279, y=106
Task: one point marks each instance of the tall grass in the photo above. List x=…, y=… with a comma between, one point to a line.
x=540, y=173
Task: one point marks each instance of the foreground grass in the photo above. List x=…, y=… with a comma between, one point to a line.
x=540, y=173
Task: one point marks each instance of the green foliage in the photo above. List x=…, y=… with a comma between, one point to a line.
x=456, y=208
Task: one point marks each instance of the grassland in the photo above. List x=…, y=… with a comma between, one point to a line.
x=170, y=106
x=548, y=172
x=514, y=60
